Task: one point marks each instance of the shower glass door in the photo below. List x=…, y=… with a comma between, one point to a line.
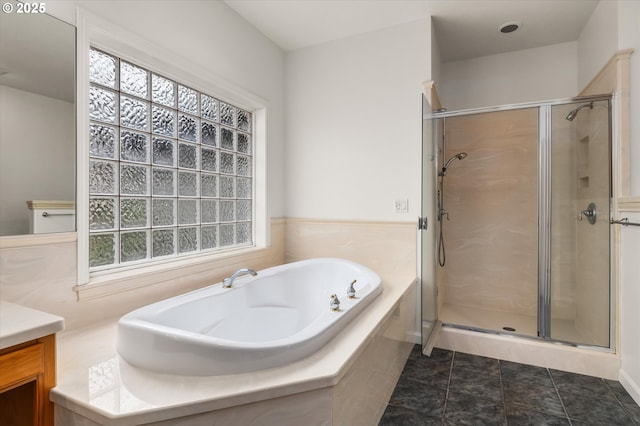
x=523, y=196
x=580, y=176
x=429, y=290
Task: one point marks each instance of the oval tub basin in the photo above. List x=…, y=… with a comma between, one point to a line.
x=277, y=317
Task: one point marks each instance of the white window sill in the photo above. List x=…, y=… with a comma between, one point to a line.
x=105, y=284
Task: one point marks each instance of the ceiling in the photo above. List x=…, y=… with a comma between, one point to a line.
x=464, y=28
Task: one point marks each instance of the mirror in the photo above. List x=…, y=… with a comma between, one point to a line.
x=37, y=122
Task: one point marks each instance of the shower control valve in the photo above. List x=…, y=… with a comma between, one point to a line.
x=590, y=213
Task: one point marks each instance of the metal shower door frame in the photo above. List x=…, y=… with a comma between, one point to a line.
x=544, y=206
x=544, y=222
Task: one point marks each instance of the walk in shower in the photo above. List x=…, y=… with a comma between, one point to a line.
x=520, y=200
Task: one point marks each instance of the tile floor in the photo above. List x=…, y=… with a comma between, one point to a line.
x=454, y=388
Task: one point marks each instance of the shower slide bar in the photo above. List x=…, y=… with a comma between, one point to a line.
x=624, y=222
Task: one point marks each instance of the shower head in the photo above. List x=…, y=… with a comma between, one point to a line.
x=572, y=114
x=458, y=156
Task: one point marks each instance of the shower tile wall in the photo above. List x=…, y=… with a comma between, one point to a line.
x=386, y=247
x=491, y=196
x=563, y=221
x=592, y=265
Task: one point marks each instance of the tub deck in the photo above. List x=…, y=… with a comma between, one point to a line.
x=96, y=386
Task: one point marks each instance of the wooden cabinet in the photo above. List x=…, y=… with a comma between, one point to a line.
x=27, y=374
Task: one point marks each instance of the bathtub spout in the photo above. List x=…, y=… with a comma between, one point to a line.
x=228, y=282
x=351, y=292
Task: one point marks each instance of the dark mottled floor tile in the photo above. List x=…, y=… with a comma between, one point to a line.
x=518, y=416
x=533, y=397
x=465, y=409
x=413, y=395
x=620, y=392
x=399, y=416
x=455, y=389
x=633, y=410
x=480, y=362
x=595, y=410
x=434, y=374
x=525, y=374
x=474, y=381
x=570, y=383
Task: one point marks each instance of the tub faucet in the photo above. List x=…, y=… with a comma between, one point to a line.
x=351, y=292
x=228, y=282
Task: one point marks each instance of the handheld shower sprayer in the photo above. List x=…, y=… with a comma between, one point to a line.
x=442, y=212
x=458, y=156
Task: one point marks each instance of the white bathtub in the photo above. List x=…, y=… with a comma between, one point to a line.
x=275, y=318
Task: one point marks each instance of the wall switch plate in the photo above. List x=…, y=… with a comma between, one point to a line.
x=401, y=206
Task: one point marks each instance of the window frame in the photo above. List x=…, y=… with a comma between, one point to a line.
x=94, y=31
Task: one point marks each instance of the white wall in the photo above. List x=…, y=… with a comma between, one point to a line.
x=598, y=41
x=37, y=146
x=436, y=61
x=537, y=74
x=614, y=25
x=353, y=125
x=629, y=313
x=629, y=38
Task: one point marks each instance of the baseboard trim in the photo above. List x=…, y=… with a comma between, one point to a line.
x=630, y=385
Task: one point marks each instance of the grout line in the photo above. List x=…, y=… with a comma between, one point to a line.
x=620, y=403
x=615, y=396
x=446, y=396
x=559, y=397
x=504, y=402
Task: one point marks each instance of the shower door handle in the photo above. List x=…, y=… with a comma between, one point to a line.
x=590, y=213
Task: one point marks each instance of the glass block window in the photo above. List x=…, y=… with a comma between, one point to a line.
x=171, y=168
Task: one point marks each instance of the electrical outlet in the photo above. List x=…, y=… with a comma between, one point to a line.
x=401, y=206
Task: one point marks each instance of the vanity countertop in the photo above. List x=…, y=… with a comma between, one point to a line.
x=20, y=324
